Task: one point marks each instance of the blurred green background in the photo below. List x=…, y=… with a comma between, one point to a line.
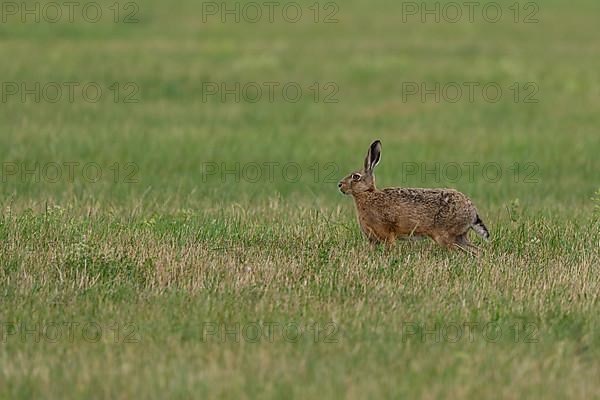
x=170, y=56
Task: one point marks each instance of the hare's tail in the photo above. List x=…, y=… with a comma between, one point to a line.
x=479, y=227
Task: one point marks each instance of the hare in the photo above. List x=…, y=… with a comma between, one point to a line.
x=444, y=215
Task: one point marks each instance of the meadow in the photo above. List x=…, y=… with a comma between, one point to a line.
x=171, y=225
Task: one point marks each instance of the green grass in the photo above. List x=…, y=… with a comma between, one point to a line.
x=162, y=253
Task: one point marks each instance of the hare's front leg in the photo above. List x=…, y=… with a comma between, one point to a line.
x=389, y=242
x=370, y=235
x=374, y=238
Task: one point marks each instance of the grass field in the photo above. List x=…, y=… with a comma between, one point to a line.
x=169, y=241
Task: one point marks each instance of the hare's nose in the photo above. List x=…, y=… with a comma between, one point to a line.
x=340, y=184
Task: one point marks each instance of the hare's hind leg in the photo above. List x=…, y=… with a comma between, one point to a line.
x=444, y=239
x=455, y=242
x=464, y=240
x=463, y=243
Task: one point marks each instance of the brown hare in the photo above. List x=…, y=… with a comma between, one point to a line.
x=445, y=215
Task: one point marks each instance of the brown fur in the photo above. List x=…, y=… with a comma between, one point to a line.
x=444, y=215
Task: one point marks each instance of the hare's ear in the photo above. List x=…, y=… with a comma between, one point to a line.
x=373, y=156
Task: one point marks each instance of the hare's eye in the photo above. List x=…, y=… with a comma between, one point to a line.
x=356, y=177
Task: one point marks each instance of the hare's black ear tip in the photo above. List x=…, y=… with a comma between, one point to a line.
x=375, y=143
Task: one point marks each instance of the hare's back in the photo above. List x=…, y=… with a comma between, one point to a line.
x=439, y=204
x=426, y=196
